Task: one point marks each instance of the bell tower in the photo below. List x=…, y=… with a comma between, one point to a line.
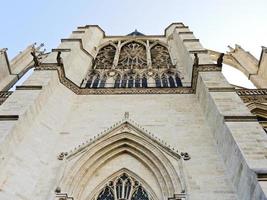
x=133, y=117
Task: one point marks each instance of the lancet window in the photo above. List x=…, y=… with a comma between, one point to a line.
x=123, y=187
x=140, y=64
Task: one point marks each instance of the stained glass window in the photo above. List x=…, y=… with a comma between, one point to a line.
x=124, y=188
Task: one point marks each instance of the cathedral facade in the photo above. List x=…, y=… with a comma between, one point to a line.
x=135, y=117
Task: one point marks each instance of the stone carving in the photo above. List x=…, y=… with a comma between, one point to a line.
x=35, y=58
x=105, y=57
x=133, y=190
x=59, y=59
x=160, y=57
x=220, y=60
x=129, y=139
x=132, y=56
x=185, y=156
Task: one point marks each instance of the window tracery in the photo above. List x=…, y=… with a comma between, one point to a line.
x=105, y=57
x=132, y=56
x=160, y=57
x=127, y=66
x=123, y=187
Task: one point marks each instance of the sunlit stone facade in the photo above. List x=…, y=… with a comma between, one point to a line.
x=135, y=117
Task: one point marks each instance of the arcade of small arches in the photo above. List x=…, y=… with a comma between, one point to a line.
x=129, y=64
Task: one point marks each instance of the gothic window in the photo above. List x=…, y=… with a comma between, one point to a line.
x=105, y=57
x=117, y=81
x=106, y=194
x=96, y=81
x=137, y=81
x=144, y=82
x=124, y=81
x=132, y=56
x=130, y=82
x=178, y=80
x=89, y=82
x=160, y=57
x=140, y=194
x=157, y=81
x=103, y=81
x=123, y=188
x=171, y=81
x=164, y=80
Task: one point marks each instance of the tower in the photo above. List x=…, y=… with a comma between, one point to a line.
x=135, y=117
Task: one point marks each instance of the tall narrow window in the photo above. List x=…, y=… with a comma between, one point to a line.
x=89, y=82
x=137, y=81
x=171, y=81
x=164, y=80
x=103, y=81
x=124, y=81
x=144, y=81
x=96, y=81
x=157, y=81
x=178, y=80
x=130, y=82
x=117, y=81
x=124, y=188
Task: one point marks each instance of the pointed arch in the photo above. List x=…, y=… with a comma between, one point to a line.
x=132, y=55
x=123, y=140
x=124, y=81
x=157, y=81
x=160, y=57
x=129, y=191
x=96, y=81
x=105, y=57
x=137, y=81
x=164, y=80
x=144, y=81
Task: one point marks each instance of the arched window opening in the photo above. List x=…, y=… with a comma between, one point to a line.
x=125, y=188
x=124, y=81
x=106, y=194
x=171, y=81
x=105, y=57
x=130, y=82
x=160, y=57
x=89, y=81
x=144, y=82
x=178, y=80
x=117, y=81
x=103, y=81
x=157, y=81
x=164, y=80
x=137, y=81
x=139, y=194
x=96, y=81
x=132, y=56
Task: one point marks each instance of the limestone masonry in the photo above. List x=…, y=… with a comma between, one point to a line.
x=135, y=117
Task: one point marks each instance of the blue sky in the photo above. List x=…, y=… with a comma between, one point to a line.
x=217, y=23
